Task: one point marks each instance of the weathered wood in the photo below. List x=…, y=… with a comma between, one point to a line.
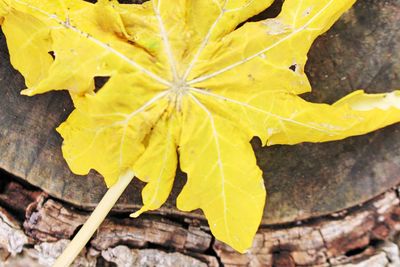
x=361, y=51
x=15, y=197
x=152, y=230
x=46, y=253
x=49, y=225
x=351, y=238
x=330, y=241
x=50, y=222
x=12, y=238
x=122, y=256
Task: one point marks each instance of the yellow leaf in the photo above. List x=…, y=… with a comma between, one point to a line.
x=106, y=131
x=157, y=165
x=28, y=44
x=223, y=177
x=187, y=79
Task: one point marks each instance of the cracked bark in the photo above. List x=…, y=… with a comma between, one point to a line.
x=329, y=241
x=351, y=238
x=12, y=238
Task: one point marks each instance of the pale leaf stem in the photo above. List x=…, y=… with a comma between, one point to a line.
x=94, y=221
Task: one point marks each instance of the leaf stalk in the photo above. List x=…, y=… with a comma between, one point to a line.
x=94, y=221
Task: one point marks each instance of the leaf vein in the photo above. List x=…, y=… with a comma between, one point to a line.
x=67, y=25
x=247, y=59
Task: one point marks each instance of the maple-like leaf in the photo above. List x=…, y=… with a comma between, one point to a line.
x=188, y=79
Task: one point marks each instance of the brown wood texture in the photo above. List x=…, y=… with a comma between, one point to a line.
x=303, y=181
x=336, y=240
x=364, y=236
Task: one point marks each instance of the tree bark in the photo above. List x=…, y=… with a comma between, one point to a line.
x=351, y=238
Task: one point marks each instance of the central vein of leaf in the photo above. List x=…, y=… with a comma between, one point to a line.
x=180, y=87
x=177, y=91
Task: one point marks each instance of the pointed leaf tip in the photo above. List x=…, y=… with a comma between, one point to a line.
x=136, y=214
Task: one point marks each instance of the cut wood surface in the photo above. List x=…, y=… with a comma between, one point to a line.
x=304, y=181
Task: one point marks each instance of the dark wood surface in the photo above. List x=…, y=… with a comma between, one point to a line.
x=303, y=181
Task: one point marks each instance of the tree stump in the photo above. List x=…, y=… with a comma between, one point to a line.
x=332, y=204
